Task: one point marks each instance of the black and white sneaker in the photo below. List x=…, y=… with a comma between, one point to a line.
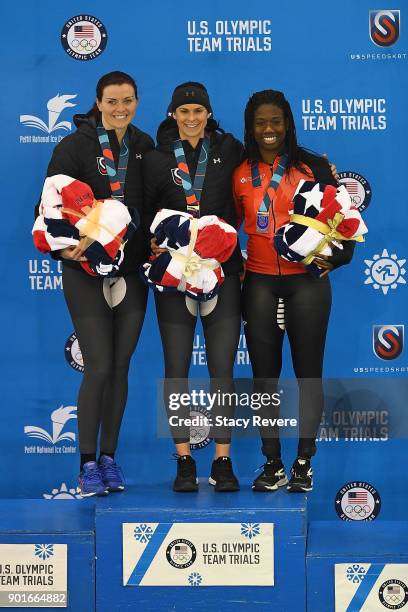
x=302, y=476
x=272, y=476
x=186, y=480
x=222, y=476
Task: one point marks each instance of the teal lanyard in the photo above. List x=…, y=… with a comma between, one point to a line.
x=116, y=177
x=262, y=215
x=192, y=190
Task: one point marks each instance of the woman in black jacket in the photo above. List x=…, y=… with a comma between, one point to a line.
x=190, y=121
x=107, y=313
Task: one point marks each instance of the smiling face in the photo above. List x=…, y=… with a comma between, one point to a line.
x=191, y=121
x=118, y=106
x=269, y=130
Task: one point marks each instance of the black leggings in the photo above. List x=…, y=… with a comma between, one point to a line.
x=107, y=337
x=307, y=302
x=221, y=332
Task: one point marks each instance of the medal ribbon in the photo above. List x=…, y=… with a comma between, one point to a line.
x=273, y=185
x=192, y=190
x=116, y=177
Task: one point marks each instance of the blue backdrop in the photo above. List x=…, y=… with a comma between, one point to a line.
x=344, y=71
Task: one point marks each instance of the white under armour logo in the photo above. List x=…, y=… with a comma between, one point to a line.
x=138, y=156
x=217, y=160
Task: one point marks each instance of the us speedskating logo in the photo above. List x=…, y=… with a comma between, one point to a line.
x=175, y=175
x=384, y=27
x=388, y=341
x=357, y=501
x=84, y=37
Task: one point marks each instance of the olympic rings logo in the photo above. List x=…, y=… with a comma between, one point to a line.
x=181, y=557
x=393, y=599
x=196, y=435
x=357, y=510
x=87, y=45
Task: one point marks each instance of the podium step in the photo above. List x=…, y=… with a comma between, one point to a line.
x=353, y=566
x=159, y=550
x=47, y=555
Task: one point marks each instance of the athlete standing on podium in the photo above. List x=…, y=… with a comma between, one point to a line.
x=107, y=313
x=190, y=122
x=274, y=165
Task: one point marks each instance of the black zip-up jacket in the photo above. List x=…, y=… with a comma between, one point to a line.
x=79, y=155
x=163, y=189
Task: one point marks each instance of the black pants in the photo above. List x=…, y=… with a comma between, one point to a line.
x=221, y=332
x=107, y=337
x=307, y=303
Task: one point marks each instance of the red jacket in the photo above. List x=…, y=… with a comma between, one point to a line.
x=262, y=256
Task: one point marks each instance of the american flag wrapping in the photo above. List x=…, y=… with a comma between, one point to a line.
x=196, y=247
x=69, y=213
x=322, y=215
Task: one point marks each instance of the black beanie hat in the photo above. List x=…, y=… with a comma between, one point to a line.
x=190, y=93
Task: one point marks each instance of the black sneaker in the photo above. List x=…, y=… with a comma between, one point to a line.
x=302, y=476
x=222, y=476
x=186, y=480
x=272, y=476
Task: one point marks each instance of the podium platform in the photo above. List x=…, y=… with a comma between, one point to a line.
x=357, y=566
x=160, y=550
x=44, y=545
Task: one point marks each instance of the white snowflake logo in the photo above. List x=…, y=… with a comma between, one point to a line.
x=195, y=579
x=44, y=551
x=63, y=493
x=385, y=271
x=250, y=530
x=143, y=533
x=355, y=573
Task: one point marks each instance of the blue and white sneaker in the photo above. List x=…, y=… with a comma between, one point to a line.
x=111, y=474
x=90, y=481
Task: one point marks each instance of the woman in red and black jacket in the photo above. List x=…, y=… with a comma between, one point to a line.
x=107, y=314
x=269, y=133
x=190, y=120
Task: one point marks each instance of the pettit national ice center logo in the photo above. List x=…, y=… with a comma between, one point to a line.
x=59, y=419
x=55, y=106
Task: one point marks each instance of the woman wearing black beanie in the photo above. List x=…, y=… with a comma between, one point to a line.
x=190, y=121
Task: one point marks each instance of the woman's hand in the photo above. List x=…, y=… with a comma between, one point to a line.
x=74, y=253
x=333, y=168
x=156, y=250
x=323, y=262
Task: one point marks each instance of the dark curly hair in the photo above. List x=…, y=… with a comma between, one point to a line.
x=270, y=96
